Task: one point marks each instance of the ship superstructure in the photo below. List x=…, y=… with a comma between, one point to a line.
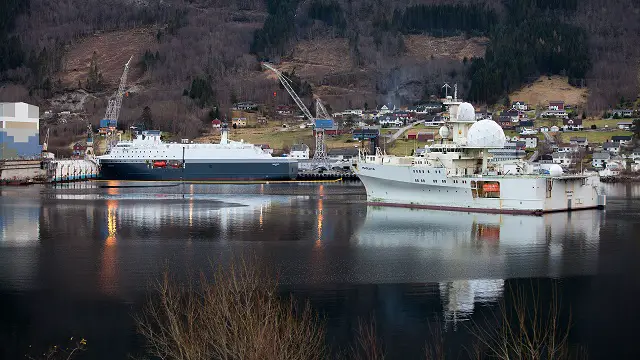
x=147, y=157
x=455, y=174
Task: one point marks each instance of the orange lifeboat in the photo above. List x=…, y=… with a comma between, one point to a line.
x=491, y=187
x=159, y=163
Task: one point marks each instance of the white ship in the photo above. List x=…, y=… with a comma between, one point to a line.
x=456, y=174
x=147, y=157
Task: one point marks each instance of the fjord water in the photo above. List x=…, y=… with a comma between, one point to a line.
x=76, y=260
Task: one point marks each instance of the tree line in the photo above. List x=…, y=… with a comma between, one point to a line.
x=445, y=20
x=278, y=27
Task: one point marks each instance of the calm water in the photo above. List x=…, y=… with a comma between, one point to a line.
x=76, y=261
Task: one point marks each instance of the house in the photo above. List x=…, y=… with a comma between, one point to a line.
x=621, y=139
x=531, y=142
x=365, y=133
x=519, y=105
x=425, y=136
x=567, y=148
x=216, y=124
x=239, y=122
x=386, y=109
x=428, y=108
x=513, y=114
x=403, y=116
x=249, y=105
x=389, y=121
x=481, y=115
x=266, y=148
x=284, y=110
x=525, y=124
x=611, y=147
x=562, y=158
x=299, y=151
x=612, y=168
x=623, y=113
x=556, y=109
x=505, y=123
x=554, y=129
x=625, y=125
x=545, y=159
x=579, y=141
x=543, y=129
x=79, y=149
x=635, y=155
x=556, y=106
x=343, y=154
x=600, y=159
x=572, y=124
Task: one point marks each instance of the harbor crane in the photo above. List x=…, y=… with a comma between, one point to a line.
x=320, y=155
x=115, y=103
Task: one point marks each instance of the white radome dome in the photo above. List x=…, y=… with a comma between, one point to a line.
x=485, y=134
x=466, y=112
x=444, y=132
x=555, y=170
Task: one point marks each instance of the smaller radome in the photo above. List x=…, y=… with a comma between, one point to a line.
x=485, y=134
x=466, y=112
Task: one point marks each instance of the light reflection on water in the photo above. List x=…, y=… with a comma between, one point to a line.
x=113, y=241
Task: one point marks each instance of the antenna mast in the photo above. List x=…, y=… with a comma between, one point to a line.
x=446, y=90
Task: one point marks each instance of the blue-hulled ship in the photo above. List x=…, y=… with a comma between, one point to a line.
x=147, y=157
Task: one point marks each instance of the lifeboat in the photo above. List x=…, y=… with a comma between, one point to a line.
x=175, y=165
x=491, y=187
x=160, y=163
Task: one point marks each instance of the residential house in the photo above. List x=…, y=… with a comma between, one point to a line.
x=386, y=109
x=531, y=142
x=343, y=154
x=482, y=115
x=505, y=123
x=555, y=109
x=389, y=121
x=635, y=155
x=611, y=147
x=572, y=124
x=284, y=110
x=239, y=122
x=519, y=105
x=545, y=159
x=366, y=133
x=266, y=148
x=563, y=158
x=426, y=136
x=216, y=124
x=428, y=108
x=513, y=114
x=566, y=148
x=299, y=151
x=623, y=140
x=623, y=113
x=403, y=116
x=249, y=105
x=554, y=129
x=612, y=168
x=625, y=125
x=543, y=129
x=579, y=141
x=600, y=159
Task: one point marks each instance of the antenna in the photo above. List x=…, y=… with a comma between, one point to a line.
x=455, y=92
x=446, y=89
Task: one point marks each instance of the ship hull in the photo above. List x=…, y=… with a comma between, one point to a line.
x=432, y=188
x=199, y=170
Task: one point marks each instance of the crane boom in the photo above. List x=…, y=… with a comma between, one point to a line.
x=321, y=111
x=287, y=85
x=115, y=103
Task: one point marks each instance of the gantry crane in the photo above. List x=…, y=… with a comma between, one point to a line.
x=320, y=155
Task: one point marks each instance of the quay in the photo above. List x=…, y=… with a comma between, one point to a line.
x=37, y=171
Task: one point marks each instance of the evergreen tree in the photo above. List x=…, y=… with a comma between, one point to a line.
x=95, y=80
x=147, y=118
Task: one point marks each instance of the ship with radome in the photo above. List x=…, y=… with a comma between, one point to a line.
x=147, y=157
x=459, y=173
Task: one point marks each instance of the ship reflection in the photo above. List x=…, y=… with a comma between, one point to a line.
x=469, y=255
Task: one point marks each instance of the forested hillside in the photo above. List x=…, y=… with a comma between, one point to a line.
x=203, y=55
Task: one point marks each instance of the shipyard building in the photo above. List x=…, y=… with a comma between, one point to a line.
x=19, y=131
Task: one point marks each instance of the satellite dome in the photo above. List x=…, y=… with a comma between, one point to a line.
x=485, y=134
x=466, y=112
x=444, y=132
x=555, y=170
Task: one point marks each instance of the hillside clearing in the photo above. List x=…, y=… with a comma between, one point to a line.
x=455, y=47
x=553, y=88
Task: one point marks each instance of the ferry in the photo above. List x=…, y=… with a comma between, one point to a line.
x=147, y=157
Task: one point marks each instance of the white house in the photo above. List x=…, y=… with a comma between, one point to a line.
x=635, y=155
x=520, y=106
x=391, y=121
x=612, y=168
x=600, y=159
x=572, y=124
x=562, y=158
x=625, y=125
x=299, y=151
x=622, y=112
x=531, y=142
x=567, y=148
x=623, y=139
x=554, y=129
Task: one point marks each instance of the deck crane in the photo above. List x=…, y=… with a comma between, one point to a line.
x=115, y=103
x=320, y=155
x=321, y=111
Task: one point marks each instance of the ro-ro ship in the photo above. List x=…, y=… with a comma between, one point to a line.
x=457, y=173
x=147, y=157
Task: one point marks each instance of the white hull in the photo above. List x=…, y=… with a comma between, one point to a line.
x=431, y=187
